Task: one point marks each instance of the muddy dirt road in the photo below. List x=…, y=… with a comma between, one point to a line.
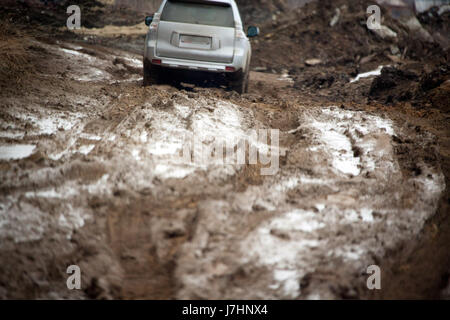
x=90, y=176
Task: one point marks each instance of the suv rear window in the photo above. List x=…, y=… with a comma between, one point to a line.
x=220, y=15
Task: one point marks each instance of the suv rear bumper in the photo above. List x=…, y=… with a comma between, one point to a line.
x=239, y=62
x=192, y=65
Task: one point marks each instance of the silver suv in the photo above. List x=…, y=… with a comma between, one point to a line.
x=201, y=35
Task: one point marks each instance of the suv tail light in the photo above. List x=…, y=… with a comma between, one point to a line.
x=240, y=34
x=154, y=25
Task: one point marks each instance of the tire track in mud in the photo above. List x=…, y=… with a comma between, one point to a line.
x=163, y=210
x=329, y=130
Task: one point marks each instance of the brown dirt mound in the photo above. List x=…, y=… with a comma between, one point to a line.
x=15, y=58
x=387, y=85
x=306, y=33
x=396, y=85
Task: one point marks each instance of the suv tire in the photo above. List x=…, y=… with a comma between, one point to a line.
x=151, y=74
x=239, y=82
